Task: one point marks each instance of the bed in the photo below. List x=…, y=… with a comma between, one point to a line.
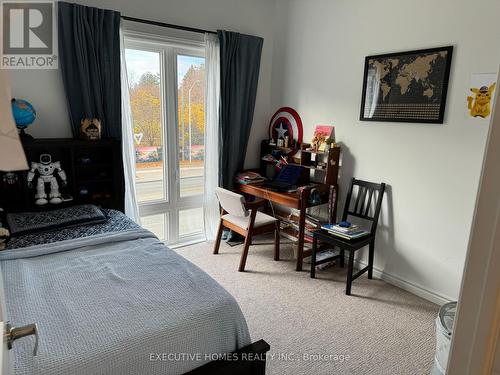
x=110, y=298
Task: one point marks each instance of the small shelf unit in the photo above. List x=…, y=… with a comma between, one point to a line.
x=321, y=168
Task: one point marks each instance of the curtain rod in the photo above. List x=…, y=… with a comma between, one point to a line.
x=162, y=24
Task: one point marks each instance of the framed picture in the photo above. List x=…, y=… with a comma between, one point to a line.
x=406, y=86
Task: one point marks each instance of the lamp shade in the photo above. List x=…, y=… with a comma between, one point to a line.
x=12, y=157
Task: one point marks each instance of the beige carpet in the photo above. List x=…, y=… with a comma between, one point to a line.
x=312, y=326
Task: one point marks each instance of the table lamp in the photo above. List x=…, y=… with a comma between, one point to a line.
x=12, y=157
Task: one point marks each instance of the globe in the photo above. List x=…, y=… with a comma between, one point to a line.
x=23, y=112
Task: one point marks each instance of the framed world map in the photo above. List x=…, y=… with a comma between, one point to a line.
x=406, y=86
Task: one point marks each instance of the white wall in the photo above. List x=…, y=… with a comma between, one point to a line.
x=45, y=91
x=433, y=170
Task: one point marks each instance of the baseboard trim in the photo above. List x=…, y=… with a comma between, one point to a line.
x=406, y=285
x=187, y=242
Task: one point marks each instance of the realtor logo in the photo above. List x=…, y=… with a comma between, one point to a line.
x=28, y=39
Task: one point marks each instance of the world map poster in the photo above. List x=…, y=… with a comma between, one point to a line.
x=407, y=86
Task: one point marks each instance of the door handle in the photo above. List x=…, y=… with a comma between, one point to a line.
x=14, y=333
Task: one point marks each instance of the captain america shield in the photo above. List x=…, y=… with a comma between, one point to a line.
x=286, y=122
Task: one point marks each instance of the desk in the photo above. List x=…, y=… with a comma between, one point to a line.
x=299, y=201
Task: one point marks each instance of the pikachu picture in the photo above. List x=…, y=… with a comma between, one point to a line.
x=479, y=104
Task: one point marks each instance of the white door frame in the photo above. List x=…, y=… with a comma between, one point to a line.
x=477, y=324
x=5, y=360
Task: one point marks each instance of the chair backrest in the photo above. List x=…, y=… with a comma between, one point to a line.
x=231, y=202
x=359, y=200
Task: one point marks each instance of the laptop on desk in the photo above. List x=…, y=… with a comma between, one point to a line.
x=286, y=179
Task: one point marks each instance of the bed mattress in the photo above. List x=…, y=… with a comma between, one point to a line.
x=116, y=302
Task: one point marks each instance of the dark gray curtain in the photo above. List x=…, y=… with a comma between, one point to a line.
x=89, y=50
x=240, y=65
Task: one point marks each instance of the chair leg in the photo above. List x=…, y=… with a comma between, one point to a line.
x=371, y=254
x=276, y=244
x=248, y=241
x=218, y=238
x=349, y=273
x=313, y=258
x=342, y=258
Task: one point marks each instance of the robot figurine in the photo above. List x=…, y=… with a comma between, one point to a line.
x=46, y=169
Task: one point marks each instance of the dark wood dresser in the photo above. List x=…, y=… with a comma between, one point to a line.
x=94, y=171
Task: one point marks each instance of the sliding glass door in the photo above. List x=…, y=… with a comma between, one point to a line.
x=167, y=94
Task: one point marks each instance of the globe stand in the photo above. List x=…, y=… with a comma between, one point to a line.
x=25, y=137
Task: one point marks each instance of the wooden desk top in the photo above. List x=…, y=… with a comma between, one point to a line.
x=292, y=200
x=296, y=200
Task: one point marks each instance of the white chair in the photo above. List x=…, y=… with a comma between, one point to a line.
x=244, y=218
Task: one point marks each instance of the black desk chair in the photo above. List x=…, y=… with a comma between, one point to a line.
x=361, y=203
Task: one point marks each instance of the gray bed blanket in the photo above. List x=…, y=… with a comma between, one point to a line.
x=121, y=303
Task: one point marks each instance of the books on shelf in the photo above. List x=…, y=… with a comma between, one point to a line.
x=324, y=255
x=324, y=266
x=289, y=223
x=315, y=221
x=292, y=235
x=349, y=233
x=328, y=253
x=290, y=231
x=351, y=237
x=351, y=229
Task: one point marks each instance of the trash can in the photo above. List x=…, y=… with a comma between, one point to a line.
x=444, y=329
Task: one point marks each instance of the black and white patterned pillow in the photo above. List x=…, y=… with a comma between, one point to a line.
x=33, y=222
x=116, y=222
x=4, y=232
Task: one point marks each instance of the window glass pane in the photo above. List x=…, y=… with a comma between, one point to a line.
x=156, y=224
x=143, y=69
x=190, y=221
x=191, y=115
